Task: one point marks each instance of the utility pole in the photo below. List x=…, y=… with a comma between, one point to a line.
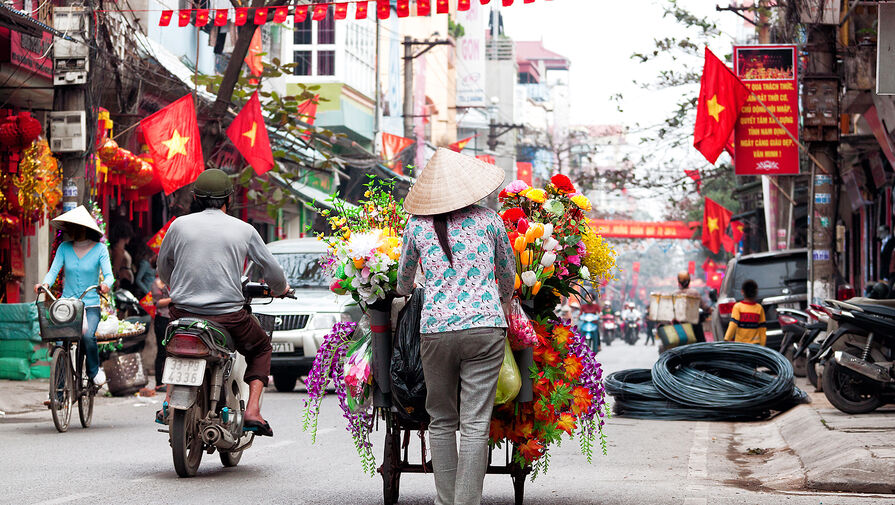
x=820, y=96
x=409, y=44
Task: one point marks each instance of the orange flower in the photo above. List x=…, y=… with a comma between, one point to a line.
x=541, y=387
x=531, y=450
x=519, y=244
x=525, y=257
x=498, y=430
x=548, y=271
x=359, y=263
x=543, y=411
x=566, y=423
x=526, y=429
x=581, y=400
x=546, y=355
x=536, y=288
x=518, y=283
x=561, y=334
x=572, y=365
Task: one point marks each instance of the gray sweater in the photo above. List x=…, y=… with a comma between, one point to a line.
x=202, y=259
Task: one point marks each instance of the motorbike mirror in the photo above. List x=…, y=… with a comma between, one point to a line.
x=713, y=295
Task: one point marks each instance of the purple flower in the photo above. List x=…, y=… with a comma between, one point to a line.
x=574, y=259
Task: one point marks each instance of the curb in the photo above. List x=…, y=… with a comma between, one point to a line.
x=833, y=460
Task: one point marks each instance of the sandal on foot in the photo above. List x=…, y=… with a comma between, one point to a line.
x=161, y=416
x=260, y=428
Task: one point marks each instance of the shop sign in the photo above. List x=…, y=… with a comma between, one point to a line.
x=471, y=57
x=639, y=229
x=32, y=54
x=762, y=147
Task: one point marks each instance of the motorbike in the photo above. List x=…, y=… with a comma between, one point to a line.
x=859, y=355
x=631, y=330
x=587, y=324
x=205, y=410
x=609, y=328
x=801, y=330
x=128, y=307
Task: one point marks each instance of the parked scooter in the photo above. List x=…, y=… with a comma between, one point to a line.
x=207, y=401
x=801, y=329
x=859, y=356
x=590, y=330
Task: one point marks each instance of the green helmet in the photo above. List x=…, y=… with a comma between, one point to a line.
x=213, y=183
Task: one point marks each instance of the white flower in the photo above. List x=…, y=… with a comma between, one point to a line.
x=584, y=273
x=529, y=278
x=550, y=244
x=361, y=244
x=548, y=229
x=548, y=259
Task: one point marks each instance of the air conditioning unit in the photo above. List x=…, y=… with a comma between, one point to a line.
x=68, y=131
x=70, y=59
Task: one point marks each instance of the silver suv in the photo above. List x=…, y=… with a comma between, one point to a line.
x=299, y=325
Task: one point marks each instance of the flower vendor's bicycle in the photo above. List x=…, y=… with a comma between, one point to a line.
x=396, y=460
x=61, y=322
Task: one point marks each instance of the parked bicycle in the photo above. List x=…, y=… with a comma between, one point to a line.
x=62, y=323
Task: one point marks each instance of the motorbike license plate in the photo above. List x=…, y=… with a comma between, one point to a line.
x=183, y=372
x=792, y=305
x=282, y=346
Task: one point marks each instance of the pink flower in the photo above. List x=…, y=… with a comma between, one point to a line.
x=522, y=225
x=516, y=187
x=574, y=260
x=581, y=248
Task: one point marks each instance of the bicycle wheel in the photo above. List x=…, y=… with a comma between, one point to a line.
x=85, y=390
x=61, y=388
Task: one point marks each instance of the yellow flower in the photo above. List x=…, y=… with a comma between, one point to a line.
x=582, y=202
x=599, y=258
x=535, y=195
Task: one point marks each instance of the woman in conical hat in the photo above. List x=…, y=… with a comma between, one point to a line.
x=469, y=270
x=82, y=257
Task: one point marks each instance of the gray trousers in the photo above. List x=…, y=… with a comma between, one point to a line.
x=470, y=360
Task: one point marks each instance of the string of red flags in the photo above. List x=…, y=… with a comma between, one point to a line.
x=317, y=12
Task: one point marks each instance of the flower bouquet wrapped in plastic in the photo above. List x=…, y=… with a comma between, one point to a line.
x=358, y=374
x=520, y=332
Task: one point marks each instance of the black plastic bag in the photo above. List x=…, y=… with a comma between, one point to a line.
x=408, y=383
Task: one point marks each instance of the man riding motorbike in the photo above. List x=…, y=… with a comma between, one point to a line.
x=201, y=260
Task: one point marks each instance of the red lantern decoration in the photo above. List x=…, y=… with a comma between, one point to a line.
x=29, y=128
x=142, y=177
x=107, y=151
x=9, y=133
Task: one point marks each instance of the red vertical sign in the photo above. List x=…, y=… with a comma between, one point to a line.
x=762, y=147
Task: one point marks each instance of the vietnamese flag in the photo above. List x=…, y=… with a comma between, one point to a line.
x=320, y=12
x=697, y=178
x=360, y=11
x=307, y=113
x=442, y=6
x=523, y=172
x=392, y=146
x=220, y=17
x=721, y=96
x=253, y=56
x=172, y=135
x=201, y=17
x=155, y=242
x=341, y=10
x=301, y=13
x=423, y=8
x=487, y=158
x=165, y=18
x=403, y=8
x=383, y=9
x=280, y=14
x=460, y=144
x=183, y=17
x=715, y=219
x=249, y=134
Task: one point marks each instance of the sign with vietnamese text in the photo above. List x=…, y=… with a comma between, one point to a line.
x=471, y=57
x=762, y=147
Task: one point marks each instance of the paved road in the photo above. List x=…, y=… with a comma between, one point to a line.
x=123, y=460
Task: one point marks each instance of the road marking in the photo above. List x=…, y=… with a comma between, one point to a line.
x=697, y=466
x=65, y=499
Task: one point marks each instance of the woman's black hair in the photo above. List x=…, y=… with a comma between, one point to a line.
x=440, y=222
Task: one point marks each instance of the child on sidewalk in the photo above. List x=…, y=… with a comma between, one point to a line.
x=747, y=321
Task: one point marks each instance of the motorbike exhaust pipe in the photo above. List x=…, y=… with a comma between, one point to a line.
x=863, y=367
x=218, y=437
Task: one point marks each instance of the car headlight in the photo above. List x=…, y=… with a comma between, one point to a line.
x=62, y=311
x=323, y=321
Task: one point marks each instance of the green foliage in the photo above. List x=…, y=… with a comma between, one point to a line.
x=455, y=29
x=291, y=137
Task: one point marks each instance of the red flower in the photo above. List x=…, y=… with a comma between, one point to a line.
x=581, y=400
x=531, y=450
x=503, y=194
x=566, y=423
x=513, y=215
x=513, y=236
x=573, y=367
x=563, y=183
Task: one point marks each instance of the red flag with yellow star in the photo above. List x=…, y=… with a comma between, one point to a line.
x=172, y=135
x=461, y=144
x=249, y=134
x=715, y=219
x=721, y=96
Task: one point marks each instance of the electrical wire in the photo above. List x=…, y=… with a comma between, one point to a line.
x=707, y=381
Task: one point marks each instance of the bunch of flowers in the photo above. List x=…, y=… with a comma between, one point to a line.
x=329, y=368
x=365, y=245
x=568, y=399
x=550, y=234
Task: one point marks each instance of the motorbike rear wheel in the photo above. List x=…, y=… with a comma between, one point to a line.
x=849, y=391
x=186, y=443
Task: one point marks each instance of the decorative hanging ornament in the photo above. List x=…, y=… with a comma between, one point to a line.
x=301, y=13
x=403, y=8
x=201, y=17
x=242, y=15
x=220, y=17
x=383, y=9
x=320, y=12
x=361, y=10
x=341, y=10
x=442, y=6
x=423, y=8
x=183, y=17
x=280, y=14
x=261, y=16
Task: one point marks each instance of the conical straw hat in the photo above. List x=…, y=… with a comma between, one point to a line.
x=79, y=216
x=450, y=182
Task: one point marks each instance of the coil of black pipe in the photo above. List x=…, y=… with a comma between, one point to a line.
x=707, y=381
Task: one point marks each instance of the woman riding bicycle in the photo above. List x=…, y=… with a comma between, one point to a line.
x=82, y=257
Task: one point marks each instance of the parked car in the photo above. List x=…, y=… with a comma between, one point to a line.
x=782, y=278
x=299, y=325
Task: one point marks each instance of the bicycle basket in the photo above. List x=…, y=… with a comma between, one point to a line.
x=68, y=323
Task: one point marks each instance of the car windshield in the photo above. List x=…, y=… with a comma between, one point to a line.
x=772, y=276
x=302, y=270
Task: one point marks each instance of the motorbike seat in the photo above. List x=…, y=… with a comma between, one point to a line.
x=884, y=308
x=219, y=334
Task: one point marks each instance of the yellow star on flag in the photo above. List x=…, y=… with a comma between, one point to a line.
x=251, y=134
x=714, y=107
x=713, y=224
x=176, y=144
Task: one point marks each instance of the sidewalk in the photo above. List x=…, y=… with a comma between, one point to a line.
x=817, y=447
x=20, y=397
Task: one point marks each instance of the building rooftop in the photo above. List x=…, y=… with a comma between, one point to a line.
x=532, y=51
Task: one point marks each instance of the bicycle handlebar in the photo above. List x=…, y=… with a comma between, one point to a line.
x=95, y=287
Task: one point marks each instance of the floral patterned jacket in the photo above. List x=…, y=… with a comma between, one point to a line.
x=469, y=293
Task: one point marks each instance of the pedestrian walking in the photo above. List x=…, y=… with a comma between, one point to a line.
x=82, y=258
x=162, y=300
x=747, y=321
x=469, y=269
